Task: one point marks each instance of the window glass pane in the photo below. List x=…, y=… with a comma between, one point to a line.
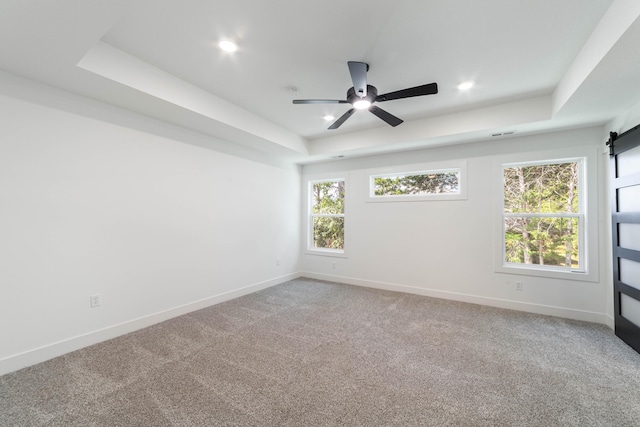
x=542, y=241
x=328, y=232
x=630, y=309
x=541, y=188
x=418, y=184
x=628, y=162
x=629, y=199
x=327, y=197
x=629, y=236
x=630, y=272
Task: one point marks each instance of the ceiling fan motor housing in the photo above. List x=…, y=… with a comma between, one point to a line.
x=372, y=94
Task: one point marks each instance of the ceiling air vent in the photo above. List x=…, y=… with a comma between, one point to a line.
x=505, y=133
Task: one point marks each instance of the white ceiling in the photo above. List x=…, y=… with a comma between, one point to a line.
x=539, y=65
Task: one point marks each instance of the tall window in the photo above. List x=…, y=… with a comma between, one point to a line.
x=326, y=215
x=543, y=215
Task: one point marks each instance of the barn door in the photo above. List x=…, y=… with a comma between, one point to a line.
x=625, y=219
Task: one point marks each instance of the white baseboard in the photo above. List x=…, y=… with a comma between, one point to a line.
x=610, y=322
x=567, y=313
x=49, y=351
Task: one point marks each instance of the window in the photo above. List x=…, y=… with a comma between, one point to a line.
x=326, y=219
x=544, y=215
x=425, y=182
x=430, y=182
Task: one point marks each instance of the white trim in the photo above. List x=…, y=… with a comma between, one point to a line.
x=543, y=215
x=610, y=322
x=326, y=252
x=548, y=310
x=49, y=351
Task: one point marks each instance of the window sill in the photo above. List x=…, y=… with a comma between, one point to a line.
x=581, y=275
x=326, y=252
x=414, y=198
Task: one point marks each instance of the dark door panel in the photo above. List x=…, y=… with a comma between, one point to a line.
x=625, y=220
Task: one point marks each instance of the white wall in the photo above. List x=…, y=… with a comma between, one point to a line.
x=447, y=248
x=624, y=121
x=156, y=226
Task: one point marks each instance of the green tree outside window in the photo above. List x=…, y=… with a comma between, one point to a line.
x=542, y=217
x=327, y=214
x=424, y=183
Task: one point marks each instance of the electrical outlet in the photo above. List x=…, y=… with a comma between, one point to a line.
x=95, y=300
x=333, y=265
x=277, y=261
x=519, y=286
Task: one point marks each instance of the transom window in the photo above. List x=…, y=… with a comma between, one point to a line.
x=430, y=182
x=544, y=215
x=419, y=183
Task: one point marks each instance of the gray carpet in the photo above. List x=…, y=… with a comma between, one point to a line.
x=308, y=353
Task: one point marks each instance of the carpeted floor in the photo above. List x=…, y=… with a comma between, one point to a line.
x=309, y=353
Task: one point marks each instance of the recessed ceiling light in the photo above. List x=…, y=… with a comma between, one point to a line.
x=228, y=46
x=466, y=85
x=328, y=117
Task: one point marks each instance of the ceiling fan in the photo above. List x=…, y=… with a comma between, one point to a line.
x=362, y=96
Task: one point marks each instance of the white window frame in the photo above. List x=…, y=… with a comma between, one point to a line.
x=310, y=248
x=419, y=169
x=588, y=236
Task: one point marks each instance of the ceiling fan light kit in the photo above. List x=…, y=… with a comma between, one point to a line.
x=228, y=46
x=362, y=96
